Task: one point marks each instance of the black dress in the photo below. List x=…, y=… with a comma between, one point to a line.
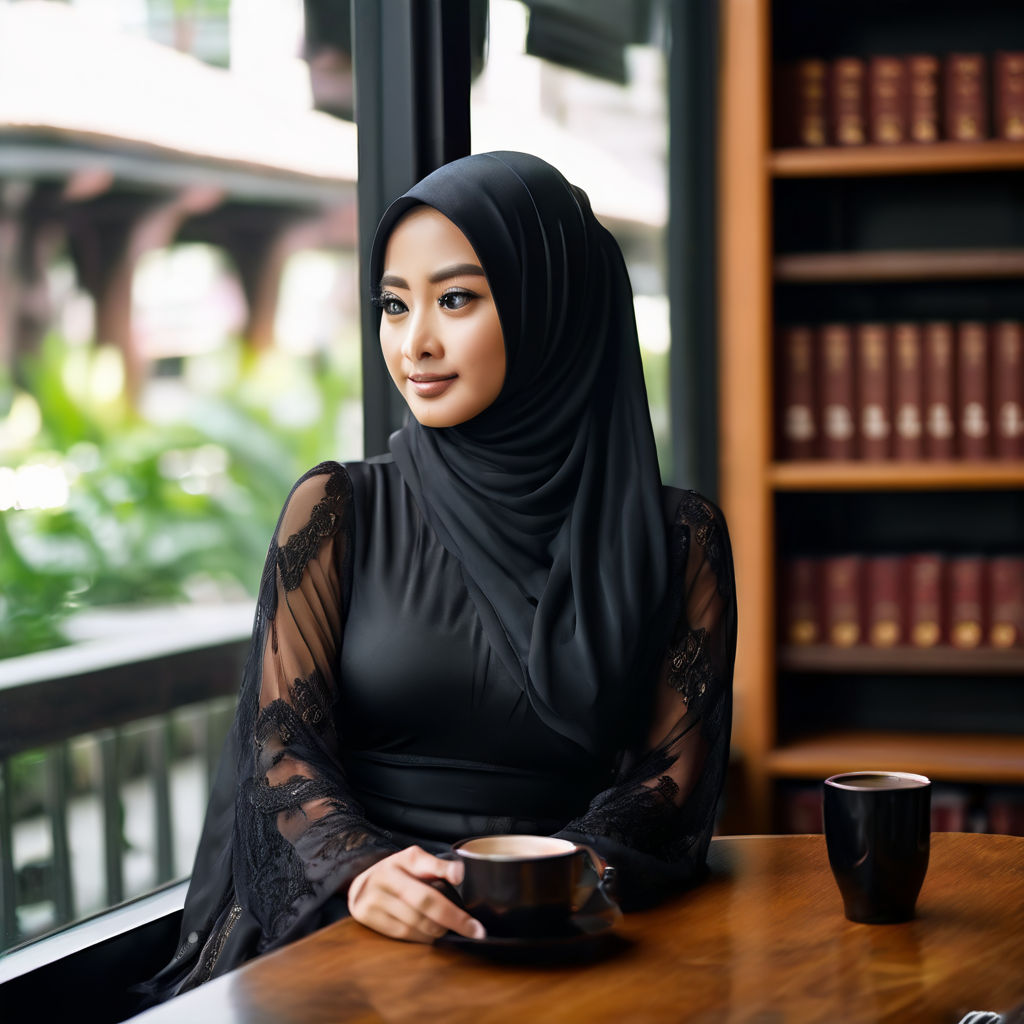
x=374, y=715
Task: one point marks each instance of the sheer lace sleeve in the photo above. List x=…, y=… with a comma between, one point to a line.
x=300, y=836
x=655, y=823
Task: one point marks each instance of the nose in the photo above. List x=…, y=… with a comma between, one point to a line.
x=421, y=340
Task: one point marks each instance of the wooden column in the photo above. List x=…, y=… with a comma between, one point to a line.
x=745, y=317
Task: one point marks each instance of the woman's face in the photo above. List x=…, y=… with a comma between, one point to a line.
x=439, y=332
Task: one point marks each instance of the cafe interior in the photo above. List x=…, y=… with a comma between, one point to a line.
x=821, y=210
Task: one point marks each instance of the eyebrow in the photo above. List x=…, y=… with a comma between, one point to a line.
x=444, y=274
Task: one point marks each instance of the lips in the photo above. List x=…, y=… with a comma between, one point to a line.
x=430, y=385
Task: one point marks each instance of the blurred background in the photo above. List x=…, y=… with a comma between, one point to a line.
x=180, y=339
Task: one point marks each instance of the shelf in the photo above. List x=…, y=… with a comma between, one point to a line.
x=822, y=475
x=898, y=265
x=934, y=158
x=960, y=758
x=902, y=660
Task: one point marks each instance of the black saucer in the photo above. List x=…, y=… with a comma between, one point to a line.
x=587, y=933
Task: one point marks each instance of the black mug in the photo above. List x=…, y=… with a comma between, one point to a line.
x=526, y=885
x=877, y=830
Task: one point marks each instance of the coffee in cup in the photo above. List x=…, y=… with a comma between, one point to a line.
x=877, y=831
x=526, y=885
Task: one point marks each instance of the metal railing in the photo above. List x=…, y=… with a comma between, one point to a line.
x=78, y=728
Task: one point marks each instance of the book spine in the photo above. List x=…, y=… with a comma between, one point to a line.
x=802, y=810
x=923, y=97
x=1005, y=810
x=874, y=391
x=798, y=433
x=848, y=100
x=937, y=369
x=801, y=104
x=949, y=810
x=966, y=582
x=925, y=584
x=966, y=108
x=884, y=604
x=1006, y=601
x=887, y=100
x=1007, y=341
x=841, y=600
x=972, y=396
x=835, y=388
x=800, y=602
x=1008, y=80
x=908, y=393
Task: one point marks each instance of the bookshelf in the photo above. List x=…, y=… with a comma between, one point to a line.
x=852, y=233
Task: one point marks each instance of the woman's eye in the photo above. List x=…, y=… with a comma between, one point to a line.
x=392, y=305
x=455, y=300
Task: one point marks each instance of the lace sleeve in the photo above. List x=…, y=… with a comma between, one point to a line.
x=300, y=836
x=655, y=823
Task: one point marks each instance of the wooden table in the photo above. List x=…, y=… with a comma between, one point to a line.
x=763, y=940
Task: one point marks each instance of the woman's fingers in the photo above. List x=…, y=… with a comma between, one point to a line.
x=394, y=897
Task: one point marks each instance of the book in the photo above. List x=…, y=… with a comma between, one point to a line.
x=835, y=390
x=966, y=583
x=966, y=96
x=923, y=97
x=848, y=101
x=949, y=808
x=801, y=810
x=1007, y=342
x=887, y=100
x=907, y=392
x=925, y=585
x=972, y=390
x=1005, y=811
x=884, y=600
x=799, y=602
x=841, y=600
x=800, y=103
x=798, y=429
x=1005, y=593
x=937, y=372
x=873, y=390
x=1008, y=101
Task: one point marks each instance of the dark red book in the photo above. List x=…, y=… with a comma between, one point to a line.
x=887, y=100
x=949, y=809
x=1008, y=87
x=925, y=583
x=801, y=104
x=1005, y=809
x=923, y=97
x=907, y=392
x=1007, y=342
x=937, y=369
x=1006, y=601
x=873, y=391
x=798, y=428
x=884, y=601
x=841, y=590
x=802, y=810
x=973, y=402
x=966, y=95
x=848, y=101
x=800, y=603
x=966, y=582
x=835, y=391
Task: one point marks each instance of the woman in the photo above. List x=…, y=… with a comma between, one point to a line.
x=508, y=625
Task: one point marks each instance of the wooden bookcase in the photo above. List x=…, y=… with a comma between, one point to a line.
x=805, y=714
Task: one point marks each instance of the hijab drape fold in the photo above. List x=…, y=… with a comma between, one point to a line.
x=551, y=498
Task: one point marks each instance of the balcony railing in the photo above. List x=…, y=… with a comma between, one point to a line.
x=140, y=711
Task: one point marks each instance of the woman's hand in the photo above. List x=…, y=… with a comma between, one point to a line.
x=395, y=897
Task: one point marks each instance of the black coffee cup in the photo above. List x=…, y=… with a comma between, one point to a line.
x=877, y=830
x=525, y=885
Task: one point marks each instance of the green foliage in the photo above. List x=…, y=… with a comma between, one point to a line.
x=152, y=511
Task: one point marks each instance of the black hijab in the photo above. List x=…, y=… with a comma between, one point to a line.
x=550, y=498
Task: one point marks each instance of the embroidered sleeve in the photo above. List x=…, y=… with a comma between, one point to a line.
x=656, y=821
